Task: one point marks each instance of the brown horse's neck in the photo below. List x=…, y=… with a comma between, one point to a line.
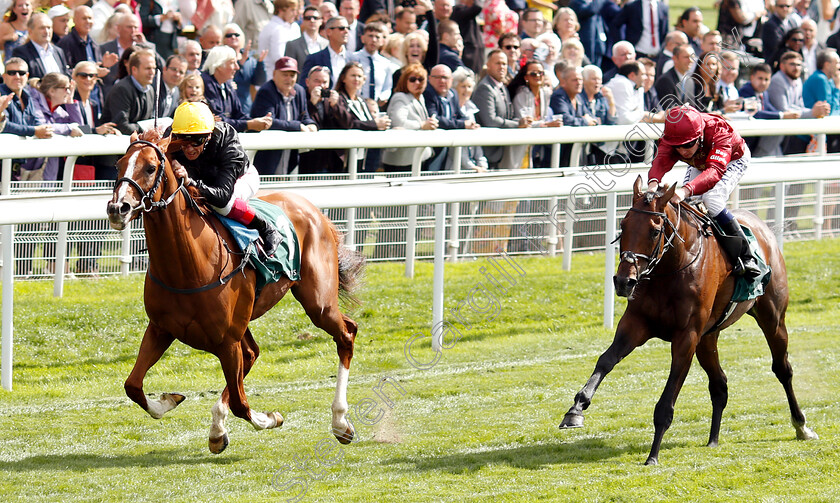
x=183, y=248
x=684, y=250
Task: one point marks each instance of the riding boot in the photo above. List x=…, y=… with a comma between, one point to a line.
x=737, y=247
x=270, y=235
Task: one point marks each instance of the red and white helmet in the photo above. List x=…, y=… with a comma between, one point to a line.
x=683, y=124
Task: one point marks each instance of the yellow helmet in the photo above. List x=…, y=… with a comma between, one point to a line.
x=193, y=118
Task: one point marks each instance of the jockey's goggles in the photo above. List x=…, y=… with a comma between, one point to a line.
x=688, y=145
x=194, y=140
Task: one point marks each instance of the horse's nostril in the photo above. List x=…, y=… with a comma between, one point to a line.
x=124, y=208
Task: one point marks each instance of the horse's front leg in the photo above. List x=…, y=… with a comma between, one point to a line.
x=155, y=343
x=629, y=335
x=683, y=347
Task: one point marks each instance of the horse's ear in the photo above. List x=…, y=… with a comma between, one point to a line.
x=133, y=137
x=663, y=201
x=638, y=188
x=164, y=144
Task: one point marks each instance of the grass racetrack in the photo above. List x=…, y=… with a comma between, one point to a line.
x=481, y=425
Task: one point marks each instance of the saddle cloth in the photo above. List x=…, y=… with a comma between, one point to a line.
x=748, y=288
x=285, y=261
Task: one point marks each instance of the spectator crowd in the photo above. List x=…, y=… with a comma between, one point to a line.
x=72, y=67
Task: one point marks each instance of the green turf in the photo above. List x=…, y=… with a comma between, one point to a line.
x=481, y=425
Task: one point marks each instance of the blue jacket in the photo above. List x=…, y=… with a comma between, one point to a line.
x=819, y=87
x=768, y=111
x=228, y=108
x=593, y=30
x=561, y=105
x=269, y=99
x=21, y=120
x=251, y=73
x=601, y=109
x=449, y=57
x=435, y=106
x=320, y=58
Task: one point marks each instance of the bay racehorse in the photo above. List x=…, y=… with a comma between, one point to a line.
x=197, y=292
x=678, y=282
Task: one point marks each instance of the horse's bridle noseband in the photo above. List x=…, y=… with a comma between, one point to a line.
x=661, y=248
x=147, y=203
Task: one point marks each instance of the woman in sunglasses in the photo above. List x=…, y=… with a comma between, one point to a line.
x=531, y=98
x=208, y=156
x=717, y=158
x=407, y=110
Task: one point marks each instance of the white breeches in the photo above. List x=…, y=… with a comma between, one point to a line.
x=715, y=198
x=245, y=188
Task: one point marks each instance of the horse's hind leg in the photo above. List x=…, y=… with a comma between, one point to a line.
x=628, y=336
x=155, y=343
x=770, y=316
x=321, y=305
x=218, y=433
x=707, y=355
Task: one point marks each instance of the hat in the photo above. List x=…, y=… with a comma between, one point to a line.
x=57, y=11
x=286, y=64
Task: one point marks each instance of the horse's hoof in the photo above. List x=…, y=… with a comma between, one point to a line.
x=278, y=419
x=346, y=437
x=217, y=445
x=572, y=420
x=175, y=398
x=651, y=461
x=805, y=433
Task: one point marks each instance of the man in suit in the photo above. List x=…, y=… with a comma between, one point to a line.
x=310, y=41
x=173, y=74
x=643, y=23
x=775, y=27
x=131, y=100
x=161, y=28
x=757, y=88
x=39, y=53
x=349, y=10
x=78, y=45
x=285, y=101
x=335, y=55
x=449, y=34
x=495, y=109
x=218, y=71
x=128, y=34
x=671, y=85
x=442, y=102
x=665, y=60
x=785, y=93
x=465, y=13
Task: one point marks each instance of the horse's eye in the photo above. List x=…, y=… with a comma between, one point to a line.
x=654, y=232
x=150, y=169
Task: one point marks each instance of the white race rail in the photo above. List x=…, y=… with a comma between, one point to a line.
x=533, y=184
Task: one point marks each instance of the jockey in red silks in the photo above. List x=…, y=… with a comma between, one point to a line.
x=717, y=157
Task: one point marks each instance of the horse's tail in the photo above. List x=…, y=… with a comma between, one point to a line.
x=351, y=268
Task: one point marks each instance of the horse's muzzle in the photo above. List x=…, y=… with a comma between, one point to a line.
x=624, y=285
x=118, y=214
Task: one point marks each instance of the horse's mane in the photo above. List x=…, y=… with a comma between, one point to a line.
x=650, y=196
x=153, y=135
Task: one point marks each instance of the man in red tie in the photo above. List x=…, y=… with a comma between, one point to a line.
x=643, y=23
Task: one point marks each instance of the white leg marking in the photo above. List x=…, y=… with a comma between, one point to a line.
x=157, y=408
x=262, y=421
x=339, y=405
x=217, y=424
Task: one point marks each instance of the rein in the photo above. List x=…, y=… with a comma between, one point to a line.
x=662, y=246
x=149, y=205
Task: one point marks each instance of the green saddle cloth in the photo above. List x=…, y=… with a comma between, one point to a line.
x=750, y=288
x=286, y=260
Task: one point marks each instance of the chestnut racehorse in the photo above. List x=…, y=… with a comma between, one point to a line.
x=678, y=282
x=197, y=292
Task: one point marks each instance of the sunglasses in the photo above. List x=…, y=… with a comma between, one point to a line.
x=688, y=145
x=511, y=47
x=17, y=72
x=342, y=28
x=311, y=18
x=416, y=79
x=783, y=6
x=194, y=140
x=231, y=35
x=86, y=75
x=536, y=74
x=798, y=40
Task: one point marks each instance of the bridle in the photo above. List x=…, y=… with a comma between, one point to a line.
x=147, y=202
x=148, y=205
x=661, y=248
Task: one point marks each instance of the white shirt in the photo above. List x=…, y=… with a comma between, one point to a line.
x=48, y=58
x=274, y=37
x=337, y=62
x=629, y=100
x=313, y=45
x=351, y=37
x=382, y=78
x=645, y=45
